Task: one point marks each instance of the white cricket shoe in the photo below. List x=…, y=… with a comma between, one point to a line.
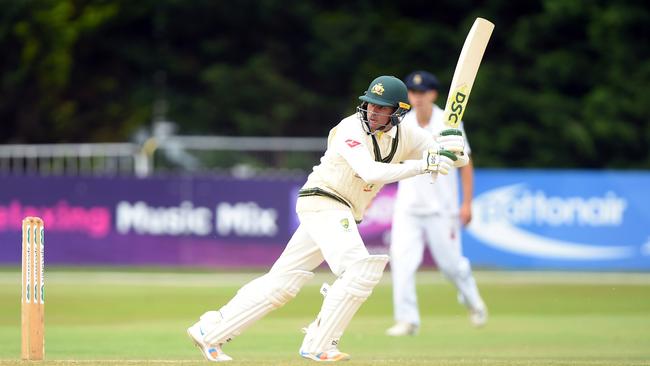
x=210, y=352
x=401, y=329
x=478, y=316
x=331, y=355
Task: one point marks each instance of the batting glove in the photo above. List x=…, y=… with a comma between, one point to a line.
x=438, y=161
x=453, y=140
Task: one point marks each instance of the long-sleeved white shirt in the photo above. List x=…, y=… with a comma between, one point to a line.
x=350, y=172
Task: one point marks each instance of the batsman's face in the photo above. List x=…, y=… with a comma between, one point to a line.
x=422, y=99
x=379, y=117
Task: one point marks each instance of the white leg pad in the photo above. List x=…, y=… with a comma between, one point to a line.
x=342, y=301
x=252, y=302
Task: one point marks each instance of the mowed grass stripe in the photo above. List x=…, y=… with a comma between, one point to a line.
x=228, y=279
x=353, y=362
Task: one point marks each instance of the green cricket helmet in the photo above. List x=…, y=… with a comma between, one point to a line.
x=387, y=91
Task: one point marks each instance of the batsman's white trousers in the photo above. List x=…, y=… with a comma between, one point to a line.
x=330, y=235
x=442, y=235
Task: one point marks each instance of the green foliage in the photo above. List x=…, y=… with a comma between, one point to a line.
x=563, y=83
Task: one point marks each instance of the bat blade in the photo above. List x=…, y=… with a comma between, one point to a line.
x=466, y=69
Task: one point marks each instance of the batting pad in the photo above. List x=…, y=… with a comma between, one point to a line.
x=253, y=301
x=343, y=300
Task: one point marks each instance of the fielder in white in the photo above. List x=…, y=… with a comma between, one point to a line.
x=365, y=151
x=430, y=212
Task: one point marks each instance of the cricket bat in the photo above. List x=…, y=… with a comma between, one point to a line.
x=466, y=69
x=465, y=74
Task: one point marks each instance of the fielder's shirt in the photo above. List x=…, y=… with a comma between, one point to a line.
x=417, y=195
x=356, y=165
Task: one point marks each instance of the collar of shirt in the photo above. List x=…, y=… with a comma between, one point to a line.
x=390, y=133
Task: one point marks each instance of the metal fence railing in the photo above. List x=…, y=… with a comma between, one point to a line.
x=235, y=155
x=69, y=159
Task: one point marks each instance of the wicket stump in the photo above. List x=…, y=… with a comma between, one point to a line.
x=32, y=310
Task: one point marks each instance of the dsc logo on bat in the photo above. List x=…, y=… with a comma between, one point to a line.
x=456, y=106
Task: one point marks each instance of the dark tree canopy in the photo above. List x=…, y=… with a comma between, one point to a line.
x=562, y=84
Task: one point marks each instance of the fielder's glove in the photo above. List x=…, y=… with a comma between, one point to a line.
x=453, y=140
x=438, y=161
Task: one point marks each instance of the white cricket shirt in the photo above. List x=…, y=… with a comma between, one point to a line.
x=351, y=170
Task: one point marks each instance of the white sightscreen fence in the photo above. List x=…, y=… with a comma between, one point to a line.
x=240, y=156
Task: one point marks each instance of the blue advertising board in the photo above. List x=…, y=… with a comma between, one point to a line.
x=560, y=219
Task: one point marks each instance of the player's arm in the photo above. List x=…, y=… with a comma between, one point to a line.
x=351, y=147
x=466, y=183
x=467, y=187
x=349, y=143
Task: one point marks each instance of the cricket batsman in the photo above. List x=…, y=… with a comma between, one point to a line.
x=364, y=152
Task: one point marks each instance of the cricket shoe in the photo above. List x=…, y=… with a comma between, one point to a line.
x=210, y=352
x=478, y=316
x=331, y=355
x=401, y=329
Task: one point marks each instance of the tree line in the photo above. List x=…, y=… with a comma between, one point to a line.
x=562, y=84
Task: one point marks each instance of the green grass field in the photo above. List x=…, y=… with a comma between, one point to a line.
x=139, y=318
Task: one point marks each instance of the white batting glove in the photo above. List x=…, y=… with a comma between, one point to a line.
x=437, y=161
x=452, y=140
x=463, y=159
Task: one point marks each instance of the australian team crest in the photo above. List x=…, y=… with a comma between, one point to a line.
x=377, y=89
x=346, y=224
